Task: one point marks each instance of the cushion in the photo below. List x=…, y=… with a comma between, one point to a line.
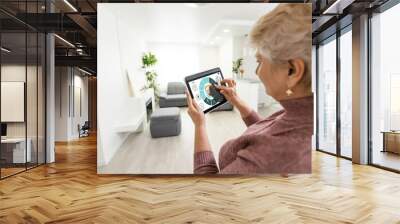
x=166, y=114
x=175, y=88
x=163, y=95
x=176, y=97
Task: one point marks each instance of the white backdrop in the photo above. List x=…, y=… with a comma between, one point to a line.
x=184, y=40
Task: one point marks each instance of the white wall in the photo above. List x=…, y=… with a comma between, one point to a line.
x=226, y=57
x=16, y=72
x=33, y=127
x=235, y=47
x=238, y=44
x=178, y=60
x=240, y=49
x=79, y=117
x=249, y=61
x=67, y=80
x=62, y=81
x=119, y=51
x=208, y=58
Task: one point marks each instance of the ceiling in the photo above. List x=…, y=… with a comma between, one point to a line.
x=184, y=23
x=76, y=24
x=190, y=22
x=16, y=42
x=329, y=16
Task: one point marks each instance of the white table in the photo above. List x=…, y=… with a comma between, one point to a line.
x=136, y=124
x=19, y=154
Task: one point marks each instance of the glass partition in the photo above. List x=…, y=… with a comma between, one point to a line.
x=31, y=100
x=13, y=105
x=327, y=96
x=22, y=77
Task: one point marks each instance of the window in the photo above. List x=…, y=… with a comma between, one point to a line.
x=327, y=96
x=385, y=89
x=346, y=93
x=314, y=90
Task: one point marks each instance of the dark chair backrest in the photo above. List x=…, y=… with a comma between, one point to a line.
x=86, y=125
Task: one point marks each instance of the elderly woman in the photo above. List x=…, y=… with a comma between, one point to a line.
x=280, y=143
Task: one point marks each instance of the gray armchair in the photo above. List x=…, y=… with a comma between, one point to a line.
x=175, y=96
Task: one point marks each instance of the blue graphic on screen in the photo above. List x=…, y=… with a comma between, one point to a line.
x=204, y=92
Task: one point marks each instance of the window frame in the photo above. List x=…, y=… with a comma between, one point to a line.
x=334, y=37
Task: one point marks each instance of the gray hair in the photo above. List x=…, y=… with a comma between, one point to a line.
x=284, y=34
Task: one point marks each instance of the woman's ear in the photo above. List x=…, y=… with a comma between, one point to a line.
x=296, y=72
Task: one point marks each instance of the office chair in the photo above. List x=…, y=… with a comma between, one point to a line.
x=84, y=130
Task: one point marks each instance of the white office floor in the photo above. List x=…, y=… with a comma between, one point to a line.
x=141, y=154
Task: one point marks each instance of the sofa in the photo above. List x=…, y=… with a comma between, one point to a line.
x=175, y=95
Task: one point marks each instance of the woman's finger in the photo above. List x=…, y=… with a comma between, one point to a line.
x=230, y=82
x=188, y=97
x=224, y=81
x=223, y=88
x=189, y=100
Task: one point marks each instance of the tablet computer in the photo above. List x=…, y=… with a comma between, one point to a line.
x=202, y=89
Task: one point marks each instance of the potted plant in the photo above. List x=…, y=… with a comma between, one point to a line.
x=148, y=62
x=237, y=67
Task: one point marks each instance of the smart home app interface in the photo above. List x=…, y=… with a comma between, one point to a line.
x=205, y=94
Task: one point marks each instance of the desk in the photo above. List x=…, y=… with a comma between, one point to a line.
x=391, y=141
x=18, y=150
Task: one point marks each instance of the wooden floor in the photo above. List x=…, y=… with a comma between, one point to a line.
x=10, y=171
x=70, y=191
x=5, y=172
x=142, y=154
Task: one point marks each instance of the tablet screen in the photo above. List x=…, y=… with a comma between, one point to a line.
x=204, y=92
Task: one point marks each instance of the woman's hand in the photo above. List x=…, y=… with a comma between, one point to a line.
x=229, y=91
x=201, y=142
x=194, y=111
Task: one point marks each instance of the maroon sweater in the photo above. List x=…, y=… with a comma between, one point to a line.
x=280, y=143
